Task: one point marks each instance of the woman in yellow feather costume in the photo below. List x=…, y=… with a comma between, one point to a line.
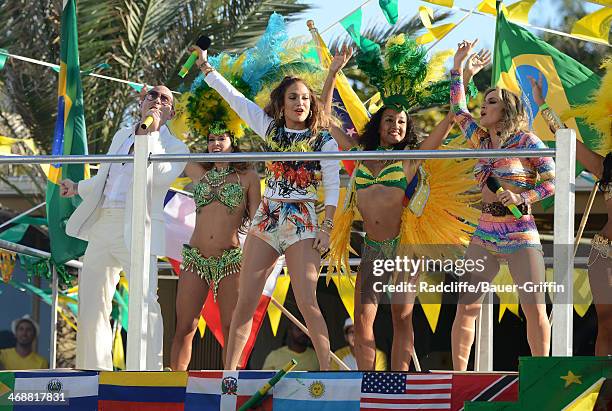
x=598, y=114
x=410, y=208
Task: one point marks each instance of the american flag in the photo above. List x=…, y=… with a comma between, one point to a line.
x=403, y=391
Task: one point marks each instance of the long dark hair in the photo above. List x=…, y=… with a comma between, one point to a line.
x=606, y=176
x=370, y=138
x=316, y=119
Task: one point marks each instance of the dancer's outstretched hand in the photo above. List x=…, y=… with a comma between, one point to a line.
x=341, y=58
x=463, y=50
x=536, y=89
x=476, y=62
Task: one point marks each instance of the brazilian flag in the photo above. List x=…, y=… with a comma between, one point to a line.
x=69, y=138
x=566, y=83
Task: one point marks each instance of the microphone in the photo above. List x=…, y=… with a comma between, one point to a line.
x=147, y=122
x=494, y=186
x=203, y=43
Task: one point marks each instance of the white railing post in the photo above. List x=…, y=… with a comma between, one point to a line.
x=140, y=251
x=54, y=298
x=483, y=350
x=563, y=264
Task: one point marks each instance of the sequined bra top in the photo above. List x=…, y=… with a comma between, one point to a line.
x=212, y=187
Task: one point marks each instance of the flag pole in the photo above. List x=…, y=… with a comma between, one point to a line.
x=302, y=327
x=585, y=216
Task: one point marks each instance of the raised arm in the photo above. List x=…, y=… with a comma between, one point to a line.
x=250, y=112
x=592, y=161
x=471, y=130
x=327, y=96
x=439, y=133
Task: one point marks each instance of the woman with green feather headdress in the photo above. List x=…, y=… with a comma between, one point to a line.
x=226, y=196
x=409, y=207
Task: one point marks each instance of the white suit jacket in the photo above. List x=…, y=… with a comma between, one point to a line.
x=92, y=190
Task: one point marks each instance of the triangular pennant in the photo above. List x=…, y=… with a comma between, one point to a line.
x=280, y=293
x=346, y=290
x=595, y=26
x=431, y=302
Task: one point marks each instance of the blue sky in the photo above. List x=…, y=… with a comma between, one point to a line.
x=327, y=12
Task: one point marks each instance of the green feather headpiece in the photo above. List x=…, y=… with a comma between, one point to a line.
x=403, y=75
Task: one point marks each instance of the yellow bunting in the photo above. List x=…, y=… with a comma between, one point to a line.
x=582, y=289
x=488, y=6
x=7, y=264
x=519, y=11
x=507, y=300
x=346, y=290
x=280, y=293
x=444, y=3
x=431, y=302
x=602, y=2
x=595, y=26
x=123, y=282
x=426, y=14
x=201, y=326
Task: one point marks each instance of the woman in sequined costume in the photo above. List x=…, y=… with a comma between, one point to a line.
x=600, y=256
x=226, y=196
x=499, y=235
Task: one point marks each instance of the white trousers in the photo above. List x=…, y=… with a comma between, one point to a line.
x=106, y=256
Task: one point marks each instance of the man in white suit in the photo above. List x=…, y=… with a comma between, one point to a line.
x=104, y=219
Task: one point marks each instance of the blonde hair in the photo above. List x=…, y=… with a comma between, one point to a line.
x=316, y=120
x=514, y=116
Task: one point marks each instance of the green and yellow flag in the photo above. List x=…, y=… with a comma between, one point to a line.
x=555, y=383
x=566, y=83
x=69, y=138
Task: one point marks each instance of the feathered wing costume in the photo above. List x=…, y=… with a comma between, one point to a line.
x=598, y=113
x=438, y=218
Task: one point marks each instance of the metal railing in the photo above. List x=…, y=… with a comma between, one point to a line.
x=140, y=250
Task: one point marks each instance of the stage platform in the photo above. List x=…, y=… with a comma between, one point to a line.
x=541, y=383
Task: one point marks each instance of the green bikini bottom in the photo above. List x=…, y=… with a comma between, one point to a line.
x=211, y=269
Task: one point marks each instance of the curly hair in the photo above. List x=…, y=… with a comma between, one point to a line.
x=370, y=138
x=515, y=118
x=316, y=120
x=238, y=166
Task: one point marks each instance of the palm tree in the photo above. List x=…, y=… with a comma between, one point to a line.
x=142, y=40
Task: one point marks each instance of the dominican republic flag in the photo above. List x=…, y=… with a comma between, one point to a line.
x=79, y=388
x=320, y=391
x=179, y=214
x=225, y=390
x=483, y=387
x=393, y=391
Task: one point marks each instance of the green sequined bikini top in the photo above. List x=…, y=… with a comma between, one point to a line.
x=212, y=186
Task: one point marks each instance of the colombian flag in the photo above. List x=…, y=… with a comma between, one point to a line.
x=566, y=82
x=69, y=138
x=148, y=391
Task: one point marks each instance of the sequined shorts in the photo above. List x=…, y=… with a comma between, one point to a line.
x=504, y=235
x=211, y=269
x=282, y=224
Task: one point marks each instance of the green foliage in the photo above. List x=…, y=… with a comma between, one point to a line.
x=143, y=41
